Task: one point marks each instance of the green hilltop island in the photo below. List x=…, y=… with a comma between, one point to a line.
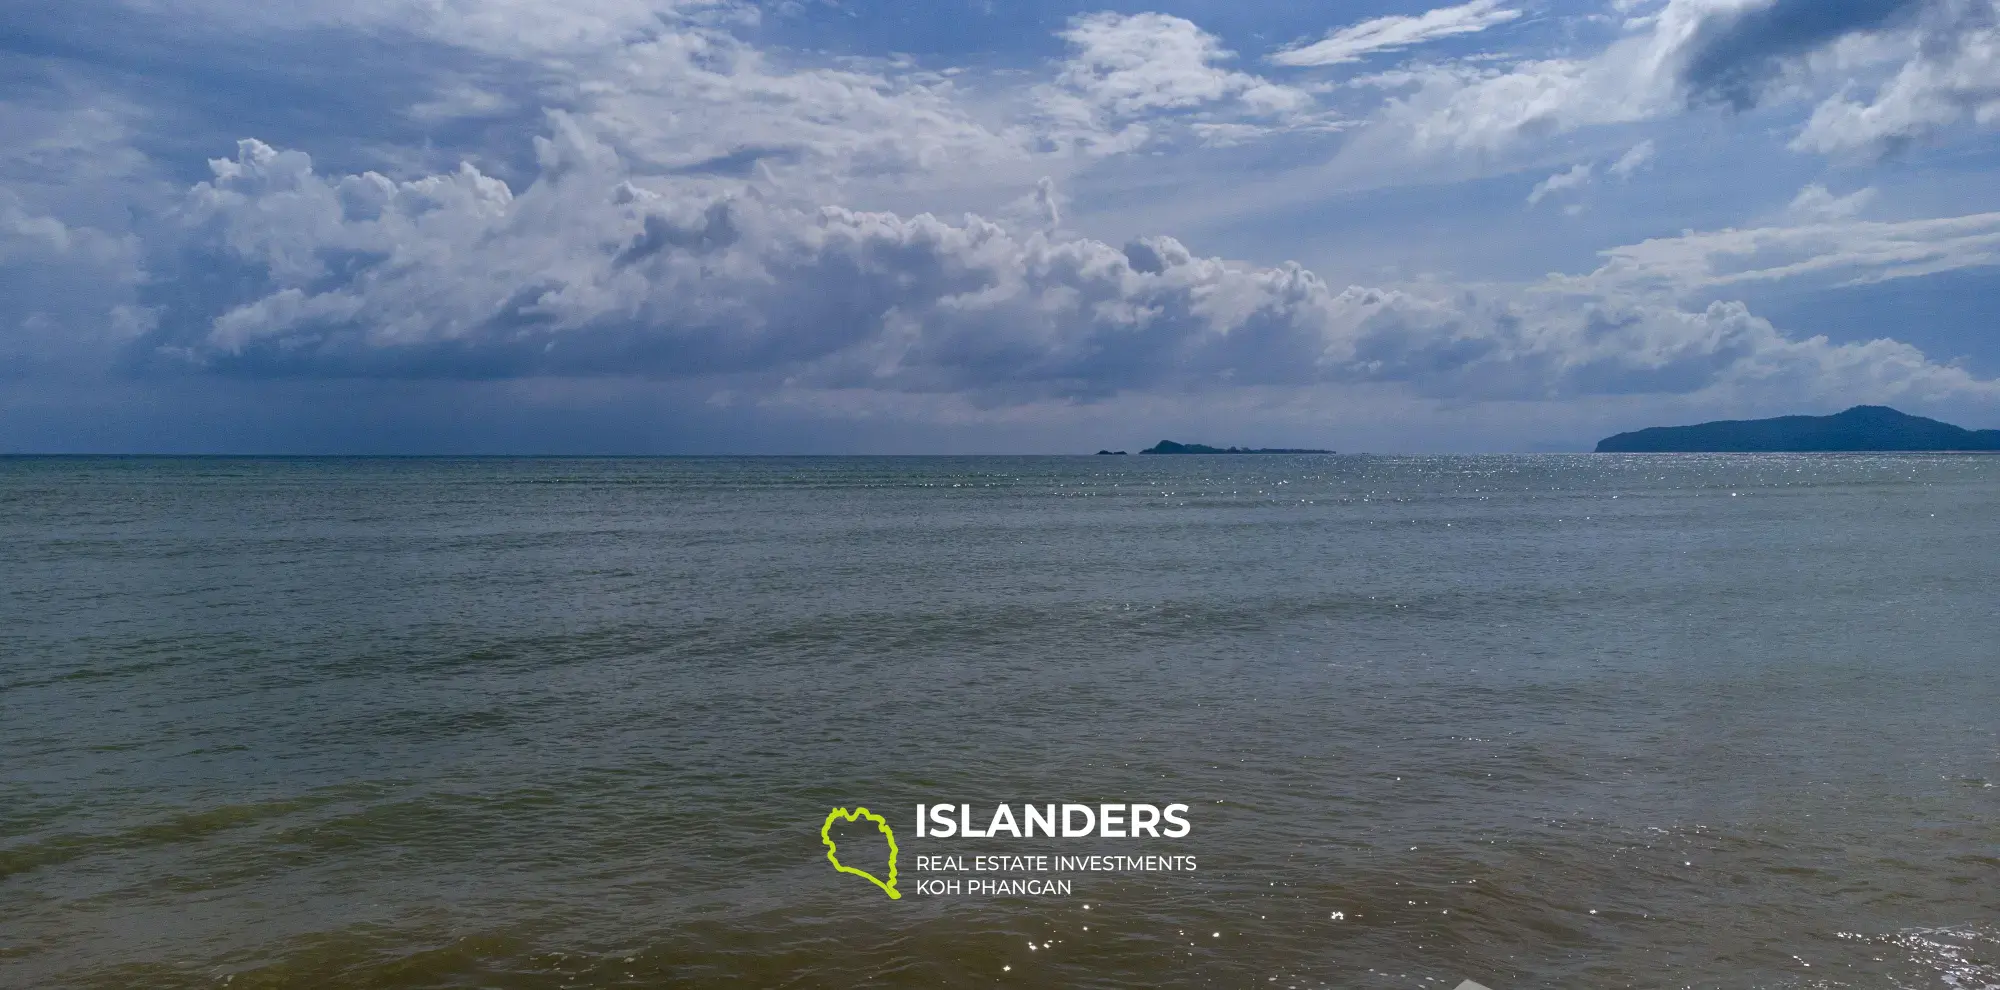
x=1860, y=429
x=1170, y=447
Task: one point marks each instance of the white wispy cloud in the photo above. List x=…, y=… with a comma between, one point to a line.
x=1576, y=177
x=1635, y=158
x=526, y=29
x=1582, y=175
x=702, y=102
x=1826, y=247
x=1397, y=32
x=1817, y=202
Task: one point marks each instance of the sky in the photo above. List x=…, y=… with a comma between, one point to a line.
x=856, y=226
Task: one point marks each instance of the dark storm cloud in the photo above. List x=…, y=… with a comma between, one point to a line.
x=1733, y=57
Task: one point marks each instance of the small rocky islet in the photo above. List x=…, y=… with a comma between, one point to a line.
x=1170, y=447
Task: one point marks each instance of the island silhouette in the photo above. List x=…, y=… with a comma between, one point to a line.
x=1860, y=429
x=1170, y=447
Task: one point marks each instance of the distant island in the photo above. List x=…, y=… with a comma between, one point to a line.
x=1170, y=447
x=1111, y=453
x=1862, y=428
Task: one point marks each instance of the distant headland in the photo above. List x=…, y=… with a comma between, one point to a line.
x=1170, y=447
x=1862, y=428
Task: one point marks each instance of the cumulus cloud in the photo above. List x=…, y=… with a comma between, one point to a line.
x=593, y=270
x=675, y=225
x=1951, y=76
x=1131, y=64
x=1126, y=71
x=1396, y=32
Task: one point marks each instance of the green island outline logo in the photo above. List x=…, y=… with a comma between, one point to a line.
x=833, y=854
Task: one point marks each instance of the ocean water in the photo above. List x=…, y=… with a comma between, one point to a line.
x=1540, y=721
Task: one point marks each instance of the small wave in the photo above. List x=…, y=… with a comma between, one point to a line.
x=189, y=826
x=1957, y=957
x=1961, y=958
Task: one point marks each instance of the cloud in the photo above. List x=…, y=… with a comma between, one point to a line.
x=1829, y=248
x=26, y=235
x=1577, y=177
x=70, y=264
x=1396, y=32
x=1125, y=73
x=1951, y=76
x=591, y=270
x=1817, y=203
x=736, y=220
x=1454, y=109
x=1129, y=65
x=1733, y=53
x=1634, y=159
x=461, y=99
x=1049, y=200
x=524, y=29
x=1580, y=176
x=66, y=150
x=1039, y=209
x=699, y=101
x=68, y=291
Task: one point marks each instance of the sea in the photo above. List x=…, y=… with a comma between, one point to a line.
x=1549, y=721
